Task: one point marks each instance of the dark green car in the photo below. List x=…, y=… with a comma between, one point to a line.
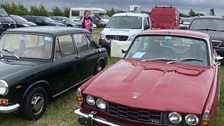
x=40, y=63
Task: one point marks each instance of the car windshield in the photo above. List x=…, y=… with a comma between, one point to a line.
x=47, y=19
x=169, y=48
x=207, y=24
x=3, y=12
x=103, y=16
x=26, y=45
x=18, y=18
x=125, y=22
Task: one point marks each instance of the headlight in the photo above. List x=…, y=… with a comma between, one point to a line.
x=100, y=103
x=131, y=38
x=102, y=36
x=3, y=87
x=90, y=100
x=175, y=117
x=26, y=25
x=191, y=119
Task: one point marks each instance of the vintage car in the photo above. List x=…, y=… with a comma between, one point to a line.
x=40, y=63
x=167, y=78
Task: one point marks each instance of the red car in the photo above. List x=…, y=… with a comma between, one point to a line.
x=167, y=78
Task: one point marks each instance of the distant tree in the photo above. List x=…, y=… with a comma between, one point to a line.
x=42, y=11
x=66, y=12
x=34, y=10
x=21, y=10
x=212, y=12
x=192, y=13
x=110, y=12
x=56, y=11
x=183, y=15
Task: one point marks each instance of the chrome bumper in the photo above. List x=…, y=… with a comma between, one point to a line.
x=9, y=109
x=91, y=117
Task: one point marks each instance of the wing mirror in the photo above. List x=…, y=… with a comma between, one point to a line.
x=123, y=51
x=146, y=27
x=218, y=60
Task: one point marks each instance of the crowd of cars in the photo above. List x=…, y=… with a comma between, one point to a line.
x=166, y=77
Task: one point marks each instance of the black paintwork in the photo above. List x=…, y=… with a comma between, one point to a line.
x=55, y=75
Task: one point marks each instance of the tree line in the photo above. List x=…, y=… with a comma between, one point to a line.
x=19, y=9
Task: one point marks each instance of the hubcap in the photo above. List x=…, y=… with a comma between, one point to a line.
x=37, y=103
x=99, y=68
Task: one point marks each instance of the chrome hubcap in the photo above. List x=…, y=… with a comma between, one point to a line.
x=37, y=103
x=99, y=68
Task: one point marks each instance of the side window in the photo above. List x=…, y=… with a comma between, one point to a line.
x=81, y=42
x=89, y=39
x=146, y=22
x=65, y=46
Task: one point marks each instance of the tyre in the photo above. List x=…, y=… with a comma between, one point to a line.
x=99, y=67
x=35, y=104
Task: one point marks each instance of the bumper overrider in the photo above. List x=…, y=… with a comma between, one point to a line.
x=9, y=109
x=89, y=119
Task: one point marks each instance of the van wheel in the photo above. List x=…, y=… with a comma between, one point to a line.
x=35, y=104
x=99, y=67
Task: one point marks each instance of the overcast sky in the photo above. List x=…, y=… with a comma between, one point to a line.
x=184, y=6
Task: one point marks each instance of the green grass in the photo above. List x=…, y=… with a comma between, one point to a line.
x=60, y=111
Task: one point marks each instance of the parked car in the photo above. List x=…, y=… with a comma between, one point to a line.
x=22, y=22
x=40, y=63
x=123, y=27
x=167, y=78
x=43, y=21
x=67, y=21
x=6, y=21
x=185, y=22
x=214, y=26
x=77, y=20
x=99, y=23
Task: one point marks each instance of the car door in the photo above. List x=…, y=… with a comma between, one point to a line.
x=88, y=54
x=65, y=69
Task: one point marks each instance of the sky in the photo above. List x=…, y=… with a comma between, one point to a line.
x=184, y=6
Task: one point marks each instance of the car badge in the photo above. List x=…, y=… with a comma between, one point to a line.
x=135, y=95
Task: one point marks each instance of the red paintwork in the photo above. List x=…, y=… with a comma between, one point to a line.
x=163, y=87
x=164, y=18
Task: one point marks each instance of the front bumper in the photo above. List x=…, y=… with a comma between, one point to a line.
x=90, y=118
x=9, y=109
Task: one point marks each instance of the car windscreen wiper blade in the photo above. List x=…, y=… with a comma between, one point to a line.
x=6, y=50
x=185, y=59
x=158, y=59
x=207, y=29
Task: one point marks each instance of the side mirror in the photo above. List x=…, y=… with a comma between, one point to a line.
x=146, y=27
x=123, y=51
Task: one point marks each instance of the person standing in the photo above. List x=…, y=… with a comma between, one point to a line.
x=86, y=21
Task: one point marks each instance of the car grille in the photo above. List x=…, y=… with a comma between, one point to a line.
x=117, y=37
x=216, y=43
x=141, y=115
x=8, y=25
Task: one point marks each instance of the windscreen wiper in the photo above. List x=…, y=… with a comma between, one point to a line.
x=12, y=53
x=158, y=59
x=185, y=59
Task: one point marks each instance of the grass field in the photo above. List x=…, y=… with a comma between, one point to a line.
x=60, y=111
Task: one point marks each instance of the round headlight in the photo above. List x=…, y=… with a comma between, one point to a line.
x=90, y=100
x=100, y=103
x=191, y=119
x=3, y=87
x=175, y=117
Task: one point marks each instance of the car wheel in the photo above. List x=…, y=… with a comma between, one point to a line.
x=35, y=104
x=99, y=67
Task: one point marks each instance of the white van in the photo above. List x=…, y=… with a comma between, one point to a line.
x=124, y=27
x=78, y=12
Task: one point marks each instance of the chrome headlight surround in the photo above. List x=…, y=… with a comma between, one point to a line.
x=101, y=104
x=191, y=119
x=175, y=118
x=90, y=100
x=4, y=88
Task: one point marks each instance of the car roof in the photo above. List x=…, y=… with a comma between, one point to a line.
x=50, y=30
x=131, y=14
x=209, y=17
x=184, y=33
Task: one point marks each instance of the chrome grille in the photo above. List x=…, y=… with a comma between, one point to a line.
x=141, y=115
x=117, y=37
x=8, y=25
